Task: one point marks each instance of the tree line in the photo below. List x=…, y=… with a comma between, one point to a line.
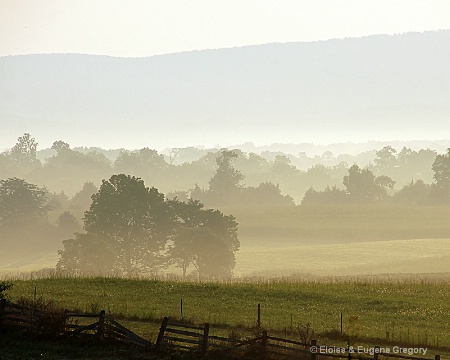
x=180, y=171
x=128, y=228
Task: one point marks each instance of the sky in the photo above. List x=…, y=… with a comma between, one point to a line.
x=142, y=28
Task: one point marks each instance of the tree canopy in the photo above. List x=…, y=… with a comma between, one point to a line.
x=440, y=191
x=21, y=202
x=204, y=238
x=224, y=186
x=129, y=226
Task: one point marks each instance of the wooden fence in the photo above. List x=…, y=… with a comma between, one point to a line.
x=179, y=335
x=198, y=338
x=66, y=324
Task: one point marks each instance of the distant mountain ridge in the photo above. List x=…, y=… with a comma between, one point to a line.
x=373, y=88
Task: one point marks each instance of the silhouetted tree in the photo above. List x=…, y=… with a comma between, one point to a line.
x=60, y=146
x=21, y=202
x=145, y=163
x=224, y=186
x=414, y=193
x=363, y=186
x=385, y=159
x=130, y=219
x=205, y=239
x=24, y=225
x=24, y=152
x=70, y=168
x=20, y=160
x=68, y=224
x=133, y=219
x=266, y=194
x=83, y=199
x=440, y=190
x=330, y=196
x=87, y=254
x=132, y=224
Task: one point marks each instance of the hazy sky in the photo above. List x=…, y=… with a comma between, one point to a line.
x=146, y=27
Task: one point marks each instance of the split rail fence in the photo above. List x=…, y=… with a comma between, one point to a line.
x=66, y=324
x=183, y=336
x=197, y=338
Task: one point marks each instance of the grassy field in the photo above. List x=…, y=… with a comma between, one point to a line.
x=412, y=310
x=342, y=224
x=376, y=257
x=278, y=258
x=306, y=241
x=344, y=240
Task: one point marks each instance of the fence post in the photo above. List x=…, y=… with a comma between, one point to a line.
x=162, y=330
x=205, y=338
x=2, y=311
x=258, y=322
x=101, y=324
x=264, y=344
x=376, y=352
x=437, y=357
x=313, y=349
x=181, y=308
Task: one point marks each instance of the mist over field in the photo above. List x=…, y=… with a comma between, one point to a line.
x=225, y=179
x=314, y=158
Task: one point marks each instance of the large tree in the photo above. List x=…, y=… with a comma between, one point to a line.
x=363, y=186
x=224, y=186
x=128, y=227
x=24, y=152
x=24, y=226
x=204, y=238
x=21, y=202
x=130, y=219
x=440, y=190
x=20, y=159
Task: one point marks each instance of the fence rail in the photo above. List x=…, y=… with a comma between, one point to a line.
x=263, y=345
x=183, y=336
x=27, y=318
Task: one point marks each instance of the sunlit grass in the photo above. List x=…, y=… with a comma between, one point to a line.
x=415, y=310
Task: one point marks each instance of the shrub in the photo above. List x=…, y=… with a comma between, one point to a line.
x=5, y=286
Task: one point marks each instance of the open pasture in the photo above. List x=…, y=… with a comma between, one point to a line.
x=405, y=309
x=376, y=257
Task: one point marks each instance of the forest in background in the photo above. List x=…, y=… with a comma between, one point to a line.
x=177, y=171
x=263, y=189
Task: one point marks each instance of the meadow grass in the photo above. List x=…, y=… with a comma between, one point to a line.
x=404, y=309
x=343, y=223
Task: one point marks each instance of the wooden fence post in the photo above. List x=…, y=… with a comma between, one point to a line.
x=258, y=322
x=2, y=311
x=181, y=308
x=162, y=330
x=101, y=324
x=205, y=338
x=437, y=357
x=313, y=349
x=376, y=352
x=264, y=344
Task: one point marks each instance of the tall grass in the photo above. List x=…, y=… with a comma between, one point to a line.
x=399, y=309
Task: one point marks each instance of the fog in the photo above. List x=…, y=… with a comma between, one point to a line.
x=317, y=158
x=382, y=88
x=380, y=211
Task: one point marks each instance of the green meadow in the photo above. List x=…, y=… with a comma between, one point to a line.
x=402, y=309
x=385, y=268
